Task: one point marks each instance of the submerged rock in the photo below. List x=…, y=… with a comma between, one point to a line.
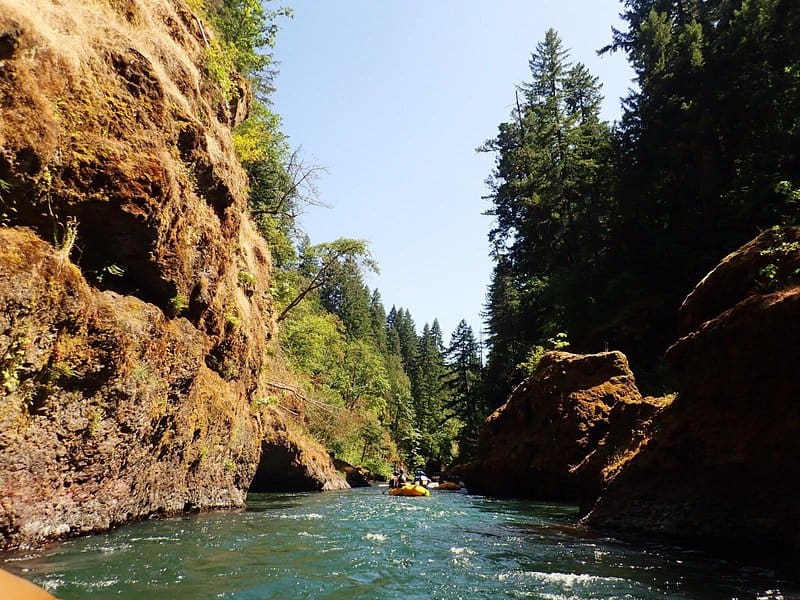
x=530, y=446
x=722, y=462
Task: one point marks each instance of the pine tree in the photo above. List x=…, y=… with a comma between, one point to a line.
x=427, y=392
x=710, y=143
x=551, y=199
x=377, y=323
x=463, y=381
x=344, y=294
x=407, y=336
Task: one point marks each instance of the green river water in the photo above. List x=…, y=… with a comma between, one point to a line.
x=366, y=544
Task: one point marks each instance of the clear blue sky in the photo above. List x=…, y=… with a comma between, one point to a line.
x=392, y=98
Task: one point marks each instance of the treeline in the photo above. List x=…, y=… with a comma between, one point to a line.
x=600, y=231
x=373, y=390
x=382, y=393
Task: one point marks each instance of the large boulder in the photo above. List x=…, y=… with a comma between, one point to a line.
x=722, y=462
x=550, y=423
x=630, y=425
x=769, y=261
x=356, y=476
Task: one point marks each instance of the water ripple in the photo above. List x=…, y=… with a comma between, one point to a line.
x=365, y=544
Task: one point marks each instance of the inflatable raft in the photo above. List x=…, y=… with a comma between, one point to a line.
x=15, y=587
x=448, y=486
x=409, y=489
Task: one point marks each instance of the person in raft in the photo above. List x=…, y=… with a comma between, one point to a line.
x=398, y=479
x=421, y=479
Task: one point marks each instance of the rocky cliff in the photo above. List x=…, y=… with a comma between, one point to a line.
x=561, y=429
x=136, y=316
x=722, y=463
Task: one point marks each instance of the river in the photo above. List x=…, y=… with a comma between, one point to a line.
x=365, y=544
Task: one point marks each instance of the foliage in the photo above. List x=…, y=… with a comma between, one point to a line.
x=11, y=363
x=601, y=234
x=709, y=144
x=344, y=294
x=319, y=263
x=551, y=203
x=246, y=31
x=531, y=364
x=372, y=388
x=178, y=303
x=246, y=280
x=463, y=381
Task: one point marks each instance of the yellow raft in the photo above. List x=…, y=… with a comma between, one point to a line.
x=15, y=587
x=409, y=489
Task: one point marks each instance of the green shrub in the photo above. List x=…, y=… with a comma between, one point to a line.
x=531, y=362
x=233, y=319
x=178, y=303
x=246, y=31
x=247, y=281
x=11, y=364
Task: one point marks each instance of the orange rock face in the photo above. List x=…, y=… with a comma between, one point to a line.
x=722, y=463
x=553, y=422
x=132, y=356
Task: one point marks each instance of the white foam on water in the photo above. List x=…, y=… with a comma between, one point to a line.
x=51, y=585
x=455, y=550
x=103, y=583
x=771, y=595
x=378, y=537
x=21, y=558
x=566, y=580
x=112, y=549
x=304, y=516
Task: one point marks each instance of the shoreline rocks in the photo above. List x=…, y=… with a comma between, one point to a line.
x=717, y=465
x=722, y=464
x=531, y=446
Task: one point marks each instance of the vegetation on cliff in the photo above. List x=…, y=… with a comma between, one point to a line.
x=364, y=383
x=599, y=229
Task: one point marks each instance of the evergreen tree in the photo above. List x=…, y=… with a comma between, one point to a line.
x=393, y=342
x=344, y=294
x=428, y=398
x=710, y=144
x=377, y=323
x=463, y=381
x=550, y=198
x=438, y=336
x=407, y=336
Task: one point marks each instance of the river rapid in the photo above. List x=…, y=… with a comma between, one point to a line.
x=365, y=544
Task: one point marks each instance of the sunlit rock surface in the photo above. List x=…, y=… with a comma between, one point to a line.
x=552, y=422
x=132, y=357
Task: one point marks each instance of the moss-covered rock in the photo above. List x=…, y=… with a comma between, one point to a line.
x=132, y=354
